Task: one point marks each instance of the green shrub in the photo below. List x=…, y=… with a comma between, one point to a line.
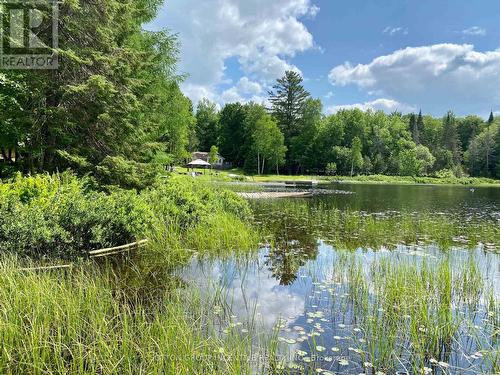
x=58, y=215
x=127, y=173
x=61, y=216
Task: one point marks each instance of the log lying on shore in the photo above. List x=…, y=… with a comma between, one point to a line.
x=47, y=268
x=274, y=194
x=117, y=249
x=93, y=254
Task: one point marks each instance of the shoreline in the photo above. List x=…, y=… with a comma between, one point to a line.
x=238, y=175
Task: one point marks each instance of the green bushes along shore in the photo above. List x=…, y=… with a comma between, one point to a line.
x=63, y=216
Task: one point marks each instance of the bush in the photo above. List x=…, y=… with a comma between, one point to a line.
x=60, y=215
x=127, y=173
x=331, y=169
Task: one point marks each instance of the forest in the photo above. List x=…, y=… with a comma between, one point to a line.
x=295, y=137
x=114, y=110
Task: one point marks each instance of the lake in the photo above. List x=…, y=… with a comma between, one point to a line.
x=385, y=279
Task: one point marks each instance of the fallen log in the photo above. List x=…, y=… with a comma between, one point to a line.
x=116, y=249
x=47, y=268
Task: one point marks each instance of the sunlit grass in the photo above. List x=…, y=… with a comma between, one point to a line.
x=83, y=322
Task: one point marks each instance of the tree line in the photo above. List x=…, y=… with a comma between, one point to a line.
x=294, y=136
x=113, y=107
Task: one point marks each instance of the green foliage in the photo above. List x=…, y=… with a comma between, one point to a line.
x=450, y=138
x=481, y=156
x=356, y=156
x=127, y=173
x=416, y=161
x=268, y=142
x=388, y=144
x=213, y=155
x=331, y=169
x=207, y=122
x=303, y=145
x=233, y=134
x=62, y=216
x=288, y=101
x=114, y=95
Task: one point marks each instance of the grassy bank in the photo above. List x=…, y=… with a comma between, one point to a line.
x=239, y=175
x=119, y=316
x=382, y=179
x=87, y=322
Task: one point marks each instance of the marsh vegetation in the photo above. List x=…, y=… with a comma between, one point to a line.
x=340, y=283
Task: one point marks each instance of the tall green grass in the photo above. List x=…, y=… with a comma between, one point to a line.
x=415, y=313
x=84, y=322
x=119, y=316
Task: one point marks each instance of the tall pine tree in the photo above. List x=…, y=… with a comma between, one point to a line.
x=419, y=127
x=288, y=100
x=450, y=137
x=491, y=119
x=413, y=128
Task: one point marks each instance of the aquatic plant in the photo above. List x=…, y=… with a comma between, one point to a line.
x=307, y=221
x=83, y=322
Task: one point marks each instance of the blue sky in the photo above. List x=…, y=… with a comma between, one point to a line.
x=382, y=54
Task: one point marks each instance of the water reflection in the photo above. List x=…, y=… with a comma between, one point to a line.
x=320, y=325
x=338, y=311
x=459, y=200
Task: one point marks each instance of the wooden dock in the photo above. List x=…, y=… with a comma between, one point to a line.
x=275, y=194
x=301, y=183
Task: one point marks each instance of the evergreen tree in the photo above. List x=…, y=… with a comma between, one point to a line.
x=450, y=139
x=288, y=100
x=207, y=120
x=232, y=139
x=356, y=155
x=419, y=127
x=491, y=119
x=114, y=95
x=413, y=127
x=302, y=146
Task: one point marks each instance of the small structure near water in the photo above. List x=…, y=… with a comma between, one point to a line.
x=205, y=156
x=198, y=163
x=275, y=194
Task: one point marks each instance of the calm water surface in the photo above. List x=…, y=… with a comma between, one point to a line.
x=300, y=287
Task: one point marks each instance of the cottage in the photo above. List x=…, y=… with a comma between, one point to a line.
x=205, y=156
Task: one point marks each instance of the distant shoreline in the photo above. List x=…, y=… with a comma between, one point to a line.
x=239, y=175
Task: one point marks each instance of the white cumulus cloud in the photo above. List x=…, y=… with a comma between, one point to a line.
x=260, y=35
x=436, y=78
x=382, y=104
